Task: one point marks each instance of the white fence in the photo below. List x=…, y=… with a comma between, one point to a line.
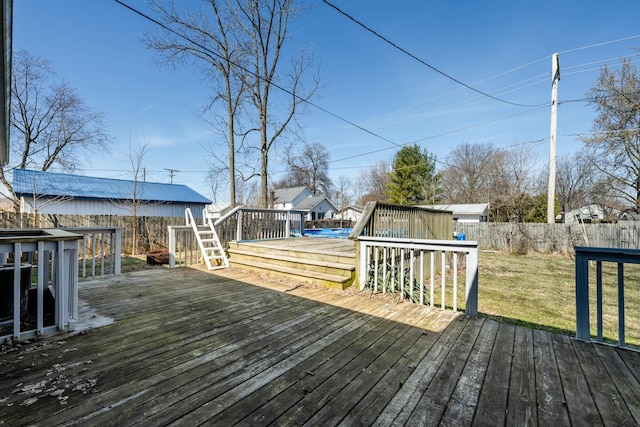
x=55, y=297
x=239, y=224
x=100, y=250
x=399, y=267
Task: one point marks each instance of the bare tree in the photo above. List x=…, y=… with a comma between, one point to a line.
x=372, y=183
x=239, y=45
x=514, y=182
x=265, y=24
x=50, y=123
x=615, y=135
x=309, y=166
x=343, y=192
x=575, y=182
x=209, y=39
x=467, y=176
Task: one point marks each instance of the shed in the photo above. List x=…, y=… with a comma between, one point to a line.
x=60, y=193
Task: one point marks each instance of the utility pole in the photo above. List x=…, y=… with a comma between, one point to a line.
x=551, y=197
x=172, y=172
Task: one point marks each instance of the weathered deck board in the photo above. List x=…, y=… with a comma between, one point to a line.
x=190, y=347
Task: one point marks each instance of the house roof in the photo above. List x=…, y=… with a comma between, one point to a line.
x=462, y=209
x=351, y=207
x=311, y=202
x=287, y=195
x=50, y=184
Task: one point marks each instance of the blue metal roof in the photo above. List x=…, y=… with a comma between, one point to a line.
x=50, y=184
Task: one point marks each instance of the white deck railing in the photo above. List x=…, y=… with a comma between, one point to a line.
x=239, y=224
x=400, y=267
x=54, y=255
x=583, y=302
x=100, y=250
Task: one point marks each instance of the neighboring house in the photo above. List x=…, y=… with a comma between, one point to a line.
x=350, y=213
x=477, y=212
x=591, y=213
x=217, y=210
x=629, y=216
x=287, y=198
x=301, y=199
x=58, y=193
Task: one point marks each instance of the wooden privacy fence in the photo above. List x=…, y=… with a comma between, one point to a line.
x=522, y=237
x=152, y=231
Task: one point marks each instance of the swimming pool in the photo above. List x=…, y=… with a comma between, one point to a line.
x=331, y=233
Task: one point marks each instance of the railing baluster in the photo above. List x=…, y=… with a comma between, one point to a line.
x=455, y=281
x=599, y=300
x=432, y=278
x=621, y=334
x=443, y=276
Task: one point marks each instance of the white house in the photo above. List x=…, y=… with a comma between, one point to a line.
x=591, y=213
x=478, y=212
x=301, y=199
x=58, y=193
x=349, y=213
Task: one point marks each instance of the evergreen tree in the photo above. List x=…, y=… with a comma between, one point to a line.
x=414, y=179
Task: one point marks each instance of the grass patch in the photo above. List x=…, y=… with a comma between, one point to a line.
x=538, y=290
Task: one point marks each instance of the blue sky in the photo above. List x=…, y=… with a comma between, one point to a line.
x=502, y=48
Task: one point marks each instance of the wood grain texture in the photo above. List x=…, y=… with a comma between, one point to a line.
x=191, y=347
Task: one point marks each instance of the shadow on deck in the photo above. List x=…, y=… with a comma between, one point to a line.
x=191, y=347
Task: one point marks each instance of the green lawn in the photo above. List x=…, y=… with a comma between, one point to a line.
x=538, y=290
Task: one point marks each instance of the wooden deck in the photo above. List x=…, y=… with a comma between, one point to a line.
x=190, y=347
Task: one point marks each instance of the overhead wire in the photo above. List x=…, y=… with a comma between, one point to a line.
x=368, y=131
x=437, y=70
x=274, y=84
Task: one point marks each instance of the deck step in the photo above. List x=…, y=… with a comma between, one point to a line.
x=312, y=277
x=307, y=262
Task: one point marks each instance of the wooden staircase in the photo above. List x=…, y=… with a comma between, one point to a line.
x=321, y=262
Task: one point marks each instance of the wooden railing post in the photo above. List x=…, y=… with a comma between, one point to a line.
x=239, y=226
x=472, y=282
x=582, y=296
x=172, y=247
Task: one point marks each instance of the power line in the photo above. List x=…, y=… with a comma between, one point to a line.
x=415, y=141
x=442, y=73
x=287, y=91
x=600, y=44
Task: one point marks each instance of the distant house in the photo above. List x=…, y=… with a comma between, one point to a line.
x=58, y=193
x=217, y=210
x=349, y=213
x=591, y=213
x=302, y=199
x=478, y=212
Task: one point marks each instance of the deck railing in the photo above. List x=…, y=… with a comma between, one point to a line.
x=237, y=225
x=405, y=222
x=583, y=302
x=100, y=250
x=53, y=305
x=401, y=266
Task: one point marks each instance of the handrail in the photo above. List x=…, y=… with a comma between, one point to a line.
x=583, y=256
x=228, y=215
